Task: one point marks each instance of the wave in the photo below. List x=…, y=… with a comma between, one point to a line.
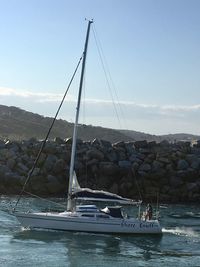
x=184, y=231
x=186, y=215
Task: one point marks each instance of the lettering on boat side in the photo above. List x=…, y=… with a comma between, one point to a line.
x=146, y=225
x=140, y=225
x=126, y=224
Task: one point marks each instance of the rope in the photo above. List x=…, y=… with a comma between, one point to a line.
x=45, y=140
x=137, y=185
x=47, y=200
x=157, y=206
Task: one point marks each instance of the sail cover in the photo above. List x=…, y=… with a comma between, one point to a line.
x=99, y=195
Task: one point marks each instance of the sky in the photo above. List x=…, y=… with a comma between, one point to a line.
x=150, y=77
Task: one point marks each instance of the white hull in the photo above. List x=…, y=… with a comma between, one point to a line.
x=68, y=222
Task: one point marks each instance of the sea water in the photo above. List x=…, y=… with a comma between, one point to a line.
x=178, y=246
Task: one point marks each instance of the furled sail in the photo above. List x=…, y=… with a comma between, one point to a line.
x=75, y=183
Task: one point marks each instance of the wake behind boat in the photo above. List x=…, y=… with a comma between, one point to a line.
x=90, y=218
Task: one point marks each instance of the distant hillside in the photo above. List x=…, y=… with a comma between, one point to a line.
x=141, y=136
x=158, y=138
x=181, y=136
x=18, y=124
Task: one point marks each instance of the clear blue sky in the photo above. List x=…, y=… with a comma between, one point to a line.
x=151, y=48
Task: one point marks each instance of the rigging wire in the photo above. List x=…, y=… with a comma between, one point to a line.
x=47, y=200
x=106, y=76
x=47, y=135
x=137, y=185
x=109, y=78
x=157, y=206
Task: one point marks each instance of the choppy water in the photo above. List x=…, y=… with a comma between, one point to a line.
x=179, y=245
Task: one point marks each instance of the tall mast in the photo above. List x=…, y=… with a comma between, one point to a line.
x=71, y=171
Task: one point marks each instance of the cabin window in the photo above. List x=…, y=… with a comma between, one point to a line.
x=87, y=215
x=103, y=216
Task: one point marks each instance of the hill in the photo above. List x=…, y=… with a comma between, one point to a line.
x=158, y=138
x=18, y=124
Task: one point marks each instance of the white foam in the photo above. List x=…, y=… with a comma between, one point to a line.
x=186, y=231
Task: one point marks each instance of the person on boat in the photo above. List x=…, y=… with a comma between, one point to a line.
x=149, y=212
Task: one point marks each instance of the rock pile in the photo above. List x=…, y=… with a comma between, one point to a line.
x=131, y=169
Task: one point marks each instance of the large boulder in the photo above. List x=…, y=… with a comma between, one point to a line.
x=141, y=144
x=59, y=141
x=4, y=169
x=193, y=187
x=195, y=164
x=175, y=181
x=21, y=168
x=111, y=155
x=59, y=166
x=135, y=166
x=95, y=153
x=6, y=154
x=11, y=163
x=108, y=168
x=50, y=148
x=182, y=165
x=114, y=188
x=12, y=179
x=53, y=185
x=125, y=164
x=130, y=148
x=163, y=160
x=157, y=166
x=37, y=185
x=145, y=167
x=50, y=161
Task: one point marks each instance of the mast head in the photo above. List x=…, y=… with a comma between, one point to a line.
x=89, y=20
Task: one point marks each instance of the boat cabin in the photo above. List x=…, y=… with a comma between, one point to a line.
x=115, y=212
x=87, y=208
x=93, y=211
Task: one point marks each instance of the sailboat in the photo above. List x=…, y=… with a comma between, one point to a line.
x=88, y=217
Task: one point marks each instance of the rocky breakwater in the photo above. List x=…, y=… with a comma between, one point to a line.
x=131, y=169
